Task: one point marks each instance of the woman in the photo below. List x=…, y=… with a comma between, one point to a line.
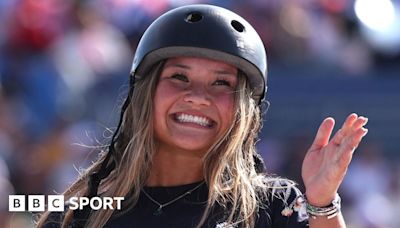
x=183, y=154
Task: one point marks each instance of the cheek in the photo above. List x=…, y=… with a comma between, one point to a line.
x=162, y=94
x=165, y=90
x=227, y=101
x=164, y=98
x=226, y=106
x=159, y=104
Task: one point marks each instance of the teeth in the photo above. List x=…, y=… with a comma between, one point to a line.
x=185, y=118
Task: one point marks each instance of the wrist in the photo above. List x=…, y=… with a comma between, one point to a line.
x=319, y=200
x=329, y=210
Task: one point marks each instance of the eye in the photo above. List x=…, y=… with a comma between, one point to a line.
x=222, y=82
x=180, y=77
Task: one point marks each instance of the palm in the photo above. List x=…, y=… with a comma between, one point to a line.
x=326, y=162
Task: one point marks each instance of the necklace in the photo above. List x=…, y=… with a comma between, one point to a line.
x=159, y=211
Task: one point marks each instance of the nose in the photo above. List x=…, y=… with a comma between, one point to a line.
x=197, y=95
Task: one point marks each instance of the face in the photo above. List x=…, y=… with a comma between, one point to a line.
x=193, y=103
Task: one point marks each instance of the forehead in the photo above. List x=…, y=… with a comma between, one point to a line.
x=195, y=63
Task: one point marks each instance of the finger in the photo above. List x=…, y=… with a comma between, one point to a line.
x=348, y=123
x=360, y=122
x=323, y=134
x=350, y=144
x=347, y=129
x=352, y=141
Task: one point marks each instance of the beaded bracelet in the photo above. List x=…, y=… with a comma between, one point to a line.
x=329, y=211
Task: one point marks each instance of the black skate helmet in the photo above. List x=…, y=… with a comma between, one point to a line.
x=204, y=31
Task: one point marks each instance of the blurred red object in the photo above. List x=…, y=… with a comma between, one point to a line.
x=334, y=6
x=35, y=24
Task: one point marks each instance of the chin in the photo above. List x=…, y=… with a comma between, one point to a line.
x=194, y=148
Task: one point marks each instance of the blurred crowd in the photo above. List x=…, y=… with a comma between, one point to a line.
x=64, y=69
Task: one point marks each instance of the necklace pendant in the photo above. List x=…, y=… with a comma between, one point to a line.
x=158, y=212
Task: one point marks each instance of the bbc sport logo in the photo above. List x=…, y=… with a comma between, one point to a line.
x=56, y=203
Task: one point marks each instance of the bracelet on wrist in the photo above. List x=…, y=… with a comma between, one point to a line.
x=329, y=211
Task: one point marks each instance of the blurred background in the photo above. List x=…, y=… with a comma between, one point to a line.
x=64, y=69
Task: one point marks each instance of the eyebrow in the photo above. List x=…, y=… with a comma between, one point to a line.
x=177, y=65
x=220, y=72
x=224, y=72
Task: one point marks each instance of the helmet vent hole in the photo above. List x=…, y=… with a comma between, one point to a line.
x=194, y=17
x=237, y=26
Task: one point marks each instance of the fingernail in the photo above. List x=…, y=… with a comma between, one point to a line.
x=365, y=119
x=365, y=131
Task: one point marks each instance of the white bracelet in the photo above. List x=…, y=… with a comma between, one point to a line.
x=329, y=211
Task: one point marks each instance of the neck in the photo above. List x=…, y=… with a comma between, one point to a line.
x=172, y=168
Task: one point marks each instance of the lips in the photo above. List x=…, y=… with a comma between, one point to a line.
x=194, y=119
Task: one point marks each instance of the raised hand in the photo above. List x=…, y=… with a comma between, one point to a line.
x=326, y=162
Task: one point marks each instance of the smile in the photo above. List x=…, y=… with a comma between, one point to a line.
x=199, y=120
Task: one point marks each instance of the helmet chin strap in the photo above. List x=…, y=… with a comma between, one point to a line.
x=259, y=164
x=107, y=166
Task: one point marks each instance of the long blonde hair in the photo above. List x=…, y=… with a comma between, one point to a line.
x=229, y=165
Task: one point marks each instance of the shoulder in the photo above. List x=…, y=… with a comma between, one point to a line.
x=281, y=204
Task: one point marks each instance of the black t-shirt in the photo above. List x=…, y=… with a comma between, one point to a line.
x=187, y=211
